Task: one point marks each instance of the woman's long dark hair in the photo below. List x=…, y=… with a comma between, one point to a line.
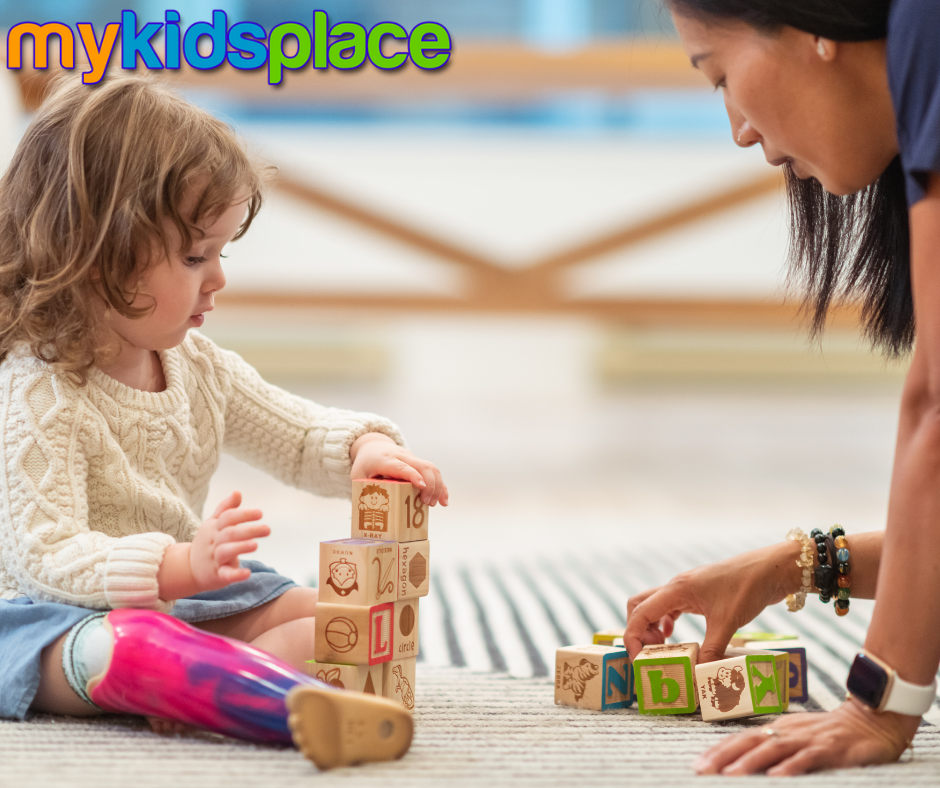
x=841, y=247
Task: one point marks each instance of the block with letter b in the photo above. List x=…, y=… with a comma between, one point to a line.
x=388, y=510
x=361, y=678
x=593, y=677
x=350, y=634
x=358, y=572
x=664, y=677
x=746, y=683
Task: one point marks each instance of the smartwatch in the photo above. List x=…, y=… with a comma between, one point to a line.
x=877, y=685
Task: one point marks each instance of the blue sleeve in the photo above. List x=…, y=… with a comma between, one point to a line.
x=914, y=79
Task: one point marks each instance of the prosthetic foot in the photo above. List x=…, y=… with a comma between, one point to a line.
x=144, y=662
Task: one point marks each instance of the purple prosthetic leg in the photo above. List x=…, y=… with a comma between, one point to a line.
x=165, y=668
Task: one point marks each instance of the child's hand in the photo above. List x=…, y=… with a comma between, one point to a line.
x=374, y=454
x=229, y=533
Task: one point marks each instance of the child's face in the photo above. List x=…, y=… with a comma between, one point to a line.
x=183, y=286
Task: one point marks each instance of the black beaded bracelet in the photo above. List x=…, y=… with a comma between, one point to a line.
x=825, y=572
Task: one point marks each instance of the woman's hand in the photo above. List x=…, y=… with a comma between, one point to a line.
x=374, y=454
x=729, y=594
x=852, y=735
x=210, y=561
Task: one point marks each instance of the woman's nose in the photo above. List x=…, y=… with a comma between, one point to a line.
x=745, y=134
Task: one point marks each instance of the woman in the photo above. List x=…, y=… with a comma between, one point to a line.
x=845, y=94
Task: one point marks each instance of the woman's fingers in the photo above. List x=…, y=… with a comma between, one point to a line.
x=809, y=759
x=643, y=620
x=727, y=751
x=771, y=751
x=718, y=634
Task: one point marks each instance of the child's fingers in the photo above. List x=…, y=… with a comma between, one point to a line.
x=232, y=501
x=231, y=574
x=226, y=553
x=239, y=533
x=394, y=468
x=232, y=517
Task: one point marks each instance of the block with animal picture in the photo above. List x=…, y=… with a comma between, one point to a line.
x=593, y=677
x=354, y=635
x=405, y=628
x=388, y=510
x=358, y=572
x=744, y=684
x=798, y=685
x=361, y=678
x=414, y=569
x=664, y=677
x=398, y=682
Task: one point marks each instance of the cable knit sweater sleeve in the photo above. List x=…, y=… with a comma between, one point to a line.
x=47, y=544
x=294, y=439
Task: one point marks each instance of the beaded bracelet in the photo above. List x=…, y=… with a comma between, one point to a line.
x=844, y=580
x=825, y=572
x=796, y=601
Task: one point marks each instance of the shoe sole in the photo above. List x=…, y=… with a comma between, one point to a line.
x=337, y=728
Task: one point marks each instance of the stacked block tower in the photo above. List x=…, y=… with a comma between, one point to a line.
x=370, y=584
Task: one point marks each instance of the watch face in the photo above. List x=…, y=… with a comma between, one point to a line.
x=867, y=681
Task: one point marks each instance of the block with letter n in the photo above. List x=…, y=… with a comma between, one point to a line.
x=664, y=678
x=593, y=677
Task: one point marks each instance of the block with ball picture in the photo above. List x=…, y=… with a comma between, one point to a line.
x=388, y=510
x=354, y=635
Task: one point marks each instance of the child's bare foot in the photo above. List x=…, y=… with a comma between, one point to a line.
x=168, y=727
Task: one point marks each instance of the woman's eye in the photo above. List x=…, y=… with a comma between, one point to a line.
x=195, y=260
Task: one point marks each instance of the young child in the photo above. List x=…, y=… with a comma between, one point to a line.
x=113, y=216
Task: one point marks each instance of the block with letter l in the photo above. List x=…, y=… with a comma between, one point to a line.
x=354, y=635
x=664, y=678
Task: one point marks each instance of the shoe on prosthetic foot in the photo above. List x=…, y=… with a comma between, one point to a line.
x=162, y=667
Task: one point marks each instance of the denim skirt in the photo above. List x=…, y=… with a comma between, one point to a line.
x=27, y=627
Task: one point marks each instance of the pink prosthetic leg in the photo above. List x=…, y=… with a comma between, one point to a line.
x=163, y=667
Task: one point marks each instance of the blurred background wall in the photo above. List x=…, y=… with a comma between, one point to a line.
x=551, y=265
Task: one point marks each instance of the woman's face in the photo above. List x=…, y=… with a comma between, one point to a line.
x=823, y=106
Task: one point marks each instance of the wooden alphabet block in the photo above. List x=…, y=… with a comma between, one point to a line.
x=744, y=684
x=354, y=635
x=414, y=569
x=398, y=682
x=798, y=686
x=405, y=628
x=358, y=572
x=755, y=637
x=593, y=677
x=665, y=679
x=388, y=510
x=609, y=637
x=361, y=678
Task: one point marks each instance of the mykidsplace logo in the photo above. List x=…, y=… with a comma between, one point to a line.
x=245, y=45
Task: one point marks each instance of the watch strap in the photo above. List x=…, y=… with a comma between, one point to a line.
x=907, y=698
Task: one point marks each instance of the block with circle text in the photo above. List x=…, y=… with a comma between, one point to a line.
x=388, y=510
x=797, y=685
x=746, y=683
x=399, y=682
x=405, y=628
x=361, y=678
x=354, y=635
x=358, y=572
x=414, y=569
x=593, y=677
x=664, y=678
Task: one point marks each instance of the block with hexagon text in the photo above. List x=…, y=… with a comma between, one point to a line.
x=388, y=510
x=747, y=682
x=414, y=569
x=664, y=678
x=358, y=572
x=355, y=635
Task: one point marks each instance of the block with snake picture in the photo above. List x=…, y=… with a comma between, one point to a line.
x=354, y=634
x=664, y=677
x=360, y=678
x=746, y=683
x=388, y=510
x=593, y=677
x=398, y=683
x=358, y=572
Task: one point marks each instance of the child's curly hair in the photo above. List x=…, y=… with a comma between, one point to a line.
x=90, y=190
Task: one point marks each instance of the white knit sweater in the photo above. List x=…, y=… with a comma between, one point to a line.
x=97, y=481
